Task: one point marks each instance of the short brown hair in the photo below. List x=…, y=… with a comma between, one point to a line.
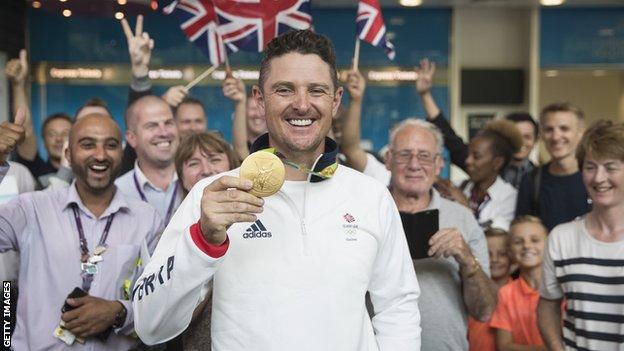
x=562, y=107
x=303, y=42
x=206, y=142
x=604, y=139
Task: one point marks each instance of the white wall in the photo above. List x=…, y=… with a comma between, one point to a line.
x=488, y=38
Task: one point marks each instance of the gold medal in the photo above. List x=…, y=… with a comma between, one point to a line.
x=265, y=170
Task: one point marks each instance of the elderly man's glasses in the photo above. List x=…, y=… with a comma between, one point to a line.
x=405, y=156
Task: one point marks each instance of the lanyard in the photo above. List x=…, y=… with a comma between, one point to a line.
x=84, y=249
x=142, y=195
x=325, y=173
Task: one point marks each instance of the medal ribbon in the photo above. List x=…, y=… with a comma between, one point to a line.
x=84, y=249
x=171, y=203
x=325, y=173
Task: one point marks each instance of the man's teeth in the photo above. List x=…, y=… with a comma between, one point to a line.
x=300, y=122
x=99, y=167
x=163, y=144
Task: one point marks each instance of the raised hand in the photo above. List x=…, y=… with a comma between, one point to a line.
x=17, y=69
x=174, y=95
x=425, y=76
x=234, y=89
x=356, y=85
x=140, y=47
x=92, y=315
x=225, y=202
x=11, y=134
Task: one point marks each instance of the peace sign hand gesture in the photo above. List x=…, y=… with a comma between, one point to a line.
x=140, y=47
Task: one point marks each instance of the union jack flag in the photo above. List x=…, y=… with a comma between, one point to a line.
x=249, y=25
x=371, y=28
x=198, y=20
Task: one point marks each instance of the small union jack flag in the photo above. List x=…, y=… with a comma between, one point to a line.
x=249, y=25
x=371, y=28
x=198, y=20
x=349, y=218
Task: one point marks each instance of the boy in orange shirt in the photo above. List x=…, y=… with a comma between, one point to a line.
x=515, y=317
x=480, y=336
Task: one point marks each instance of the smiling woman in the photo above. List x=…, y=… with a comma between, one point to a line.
x=201, y=155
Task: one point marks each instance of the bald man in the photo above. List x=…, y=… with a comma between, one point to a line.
x=85, y=238
x=152, y=132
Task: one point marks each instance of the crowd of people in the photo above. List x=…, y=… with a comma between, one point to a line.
x=142, y=240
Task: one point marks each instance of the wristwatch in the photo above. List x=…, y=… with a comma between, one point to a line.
x=120, y=317
x=474, y=268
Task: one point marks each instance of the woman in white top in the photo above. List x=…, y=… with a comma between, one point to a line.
x=584, y=258
x=491, y=199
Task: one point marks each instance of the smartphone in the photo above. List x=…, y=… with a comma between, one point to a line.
x=419, y=227
x=76, y=293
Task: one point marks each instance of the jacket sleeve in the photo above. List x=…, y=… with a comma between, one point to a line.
x=139, y=87
x=393, y=288
x=458, y=150
x=173, y=283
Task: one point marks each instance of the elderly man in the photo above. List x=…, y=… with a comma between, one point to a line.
x=88, y=236
x=303, y=286
x=456, y=274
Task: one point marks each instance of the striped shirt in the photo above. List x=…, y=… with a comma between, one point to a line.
x=590, y=275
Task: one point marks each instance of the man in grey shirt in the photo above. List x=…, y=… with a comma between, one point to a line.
x=88, y=235
x=455, y=278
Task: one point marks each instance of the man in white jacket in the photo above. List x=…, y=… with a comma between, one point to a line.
x=291, y=270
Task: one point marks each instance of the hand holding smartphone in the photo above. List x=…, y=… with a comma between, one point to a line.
x=419, y=227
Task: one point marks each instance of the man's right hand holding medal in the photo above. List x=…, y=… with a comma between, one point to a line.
x=224, y=202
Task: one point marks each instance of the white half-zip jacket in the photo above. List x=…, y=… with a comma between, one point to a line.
x=295, y=279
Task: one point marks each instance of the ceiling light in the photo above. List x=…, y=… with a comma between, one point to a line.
x=122, y=2
x=62, y=0
x=551, y=73
x=410, y=3
x=599, y=73
x=36, y=4
x=119, y=15
x=551, y=2
x=66, y=13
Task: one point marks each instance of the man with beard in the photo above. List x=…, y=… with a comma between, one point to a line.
x=153, y=133
x=300, y=262
x=87, y=236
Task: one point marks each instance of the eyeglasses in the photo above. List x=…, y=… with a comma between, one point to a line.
x=405, y=156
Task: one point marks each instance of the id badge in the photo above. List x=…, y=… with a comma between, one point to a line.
x=64, y=335
x=89, y=268
x=95, y=259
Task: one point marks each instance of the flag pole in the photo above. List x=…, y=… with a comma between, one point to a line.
x=201, y=77
x=356, y=54
x=227, y=64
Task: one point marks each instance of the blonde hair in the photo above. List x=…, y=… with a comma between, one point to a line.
x=528, y=219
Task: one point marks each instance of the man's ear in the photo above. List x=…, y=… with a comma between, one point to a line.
x=131, y=138
x=337, y=100
x=258, y=98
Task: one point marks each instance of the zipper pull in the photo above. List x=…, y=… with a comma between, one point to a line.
x=303, y=228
